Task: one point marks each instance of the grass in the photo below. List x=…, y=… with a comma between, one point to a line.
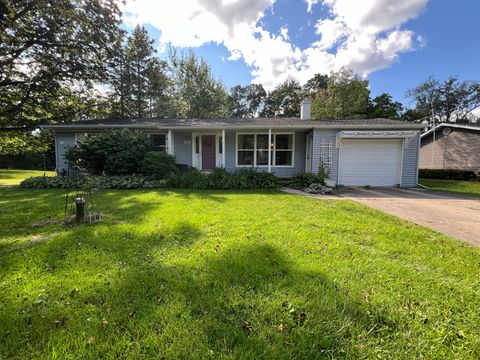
x=453, y=186
x=14, y=177
x=216, y=274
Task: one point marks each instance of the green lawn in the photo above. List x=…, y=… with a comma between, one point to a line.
x=453, y=186
x=216, y=274
x=14, y=177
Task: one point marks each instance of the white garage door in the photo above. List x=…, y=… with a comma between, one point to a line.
x=374, y=162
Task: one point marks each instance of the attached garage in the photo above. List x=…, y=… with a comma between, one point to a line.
x=374, y=162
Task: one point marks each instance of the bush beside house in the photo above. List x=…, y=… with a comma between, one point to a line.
x=192, y=179
x=448, y=174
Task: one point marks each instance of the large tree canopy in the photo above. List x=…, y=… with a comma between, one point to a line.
x=247, y=101
x=451, y=101
x=284, y=100
x=346, y=97
x=196, y=92
x=46, y=46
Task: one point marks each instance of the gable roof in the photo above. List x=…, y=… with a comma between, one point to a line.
x=234, y=123
x=452, y=125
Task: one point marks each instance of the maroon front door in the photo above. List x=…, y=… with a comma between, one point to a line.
x=208, y=152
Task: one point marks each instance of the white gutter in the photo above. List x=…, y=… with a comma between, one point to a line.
x=234, y=127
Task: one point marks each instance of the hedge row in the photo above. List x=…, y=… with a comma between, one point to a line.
x=447, y=174
x=218, y=179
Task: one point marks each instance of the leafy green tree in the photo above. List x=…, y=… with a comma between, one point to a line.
x=47, y=46
x=315, y=85
x=383, y=106
x=196, y=93
x=140, y=81
x=450, y=101
x=246, y=101
x=413, y=115
x=284, y=100
x=346, y=97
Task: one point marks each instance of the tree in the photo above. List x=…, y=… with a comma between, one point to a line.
x=284, y=100
x=140, y=82
x=246, y=101
x=315, y=85
x=196, y=93
x=450, y=101
x=383, y=106
x=346, y=97
x=49, y=46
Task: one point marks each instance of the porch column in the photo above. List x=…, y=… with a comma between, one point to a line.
x=170, y=142
x=223, y=148
x=269, y=150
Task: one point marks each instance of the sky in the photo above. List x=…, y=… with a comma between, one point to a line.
x=395, y=44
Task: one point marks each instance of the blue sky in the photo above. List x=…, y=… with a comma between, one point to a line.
x=395, y=44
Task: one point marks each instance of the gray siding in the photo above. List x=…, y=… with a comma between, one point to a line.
x=182, y=147
x=410, y=163
x=299, y=154
x=63, y=141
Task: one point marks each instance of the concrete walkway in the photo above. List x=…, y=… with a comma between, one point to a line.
x=454, y=215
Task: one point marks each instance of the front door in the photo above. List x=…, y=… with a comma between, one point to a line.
x=208, y=152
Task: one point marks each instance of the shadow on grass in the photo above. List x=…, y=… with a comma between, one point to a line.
x=232, y=303
x=165, y=296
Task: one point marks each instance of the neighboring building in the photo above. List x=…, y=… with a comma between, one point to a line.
x=376, y=152
x=451, y=146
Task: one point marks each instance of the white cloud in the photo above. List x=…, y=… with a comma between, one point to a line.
x=362, y=35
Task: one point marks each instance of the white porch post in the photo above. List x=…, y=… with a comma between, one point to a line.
x=169, y=143
x=269, y=150
x=223, y=148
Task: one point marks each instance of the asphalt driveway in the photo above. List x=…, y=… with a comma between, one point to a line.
x=454, y=215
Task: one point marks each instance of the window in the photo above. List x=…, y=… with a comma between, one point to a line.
x=158, y=141
x=252, y=150
x=283, y=150
x=245, y=150
x=220, y=145
x=262, y=149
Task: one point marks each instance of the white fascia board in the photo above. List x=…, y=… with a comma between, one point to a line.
x=456, y=126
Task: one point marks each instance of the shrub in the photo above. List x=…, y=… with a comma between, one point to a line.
x=317, y=188
x=158, y=164
x=303, y=180
x=98, y=182
x=113, y=152
x=447, y=174
x=193, y=179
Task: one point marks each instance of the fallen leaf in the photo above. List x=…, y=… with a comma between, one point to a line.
x=91, y=340
x=61, y=321
x=104, y=323
x=303, y=317
x=247, y=326
x=132, y=313
x=365, y=296
x=281, y=327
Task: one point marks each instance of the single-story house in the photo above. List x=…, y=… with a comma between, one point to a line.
x=376, y=152
x=451, y=146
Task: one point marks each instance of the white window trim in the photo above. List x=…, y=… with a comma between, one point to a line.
x=273, y=165
x=160, y=133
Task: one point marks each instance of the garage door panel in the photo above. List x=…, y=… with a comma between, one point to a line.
x=373, y=162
